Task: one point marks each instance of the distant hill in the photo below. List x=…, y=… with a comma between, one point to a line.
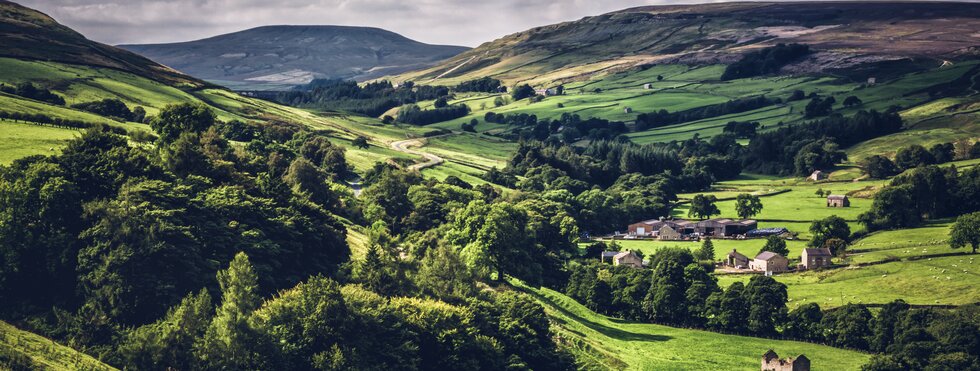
x=292, y=55
x=29, y=34
x=843, y=34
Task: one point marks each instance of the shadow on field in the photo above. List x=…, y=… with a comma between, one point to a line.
x=611, y=332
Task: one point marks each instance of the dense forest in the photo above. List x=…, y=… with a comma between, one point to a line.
x=372, y=99
x=765, y=61
x=171, y=256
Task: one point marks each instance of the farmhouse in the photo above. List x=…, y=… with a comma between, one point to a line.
x=666, y=233
x=769, y=262
x=735, y=259
x=627, y=258
x=772, y=362
x=817, y=175
x=816, y=258
x=838, y=201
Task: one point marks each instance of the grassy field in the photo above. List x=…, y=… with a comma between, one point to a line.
x=44, y=353
x=601, y=342
x=943, y=280
x=19, y=140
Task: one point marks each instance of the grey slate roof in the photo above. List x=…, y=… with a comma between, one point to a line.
x=766, y=255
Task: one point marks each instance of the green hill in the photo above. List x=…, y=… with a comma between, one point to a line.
x=600, y=342
x=21, y=349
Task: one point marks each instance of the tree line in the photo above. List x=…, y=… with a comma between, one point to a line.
x=30, y=91
x=372, y=99
x=651, y=120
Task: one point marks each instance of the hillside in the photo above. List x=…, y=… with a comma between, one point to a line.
x=29, y=34
x=278, y=56
x=19, y=348
x=843, y=34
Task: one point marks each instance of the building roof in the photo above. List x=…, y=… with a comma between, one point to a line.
x=816, y=172
x=823, y=251
x=624, y=254
x=609, y=254
x=735, y=253
x=836, y=197
x=767, y=255
x=770, y=355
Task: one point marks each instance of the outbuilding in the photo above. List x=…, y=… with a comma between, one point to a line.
x=838, y=201
x=816, y=258
x=770, y=262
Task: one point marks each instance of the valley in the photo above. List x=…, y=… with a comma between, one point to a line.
x=298, y=197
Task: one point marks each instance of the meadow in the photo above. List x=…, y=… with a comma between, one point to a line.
x=18, y=140
x=601, y=342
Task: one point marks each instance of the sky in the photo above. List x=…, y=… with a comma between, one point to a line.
x=454, y=22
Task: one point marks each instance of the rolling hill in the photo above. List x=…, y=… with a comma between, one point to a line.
x=29, y=34
x=277, y=56
x=843, y=34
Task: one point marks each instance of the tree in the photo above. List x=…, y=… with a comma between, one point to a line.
x=852, y=101
x=879, y=167
x=139, y=114
x=700, y=286
x=441, y=103
x=913, y=156
x=169, y=341
x=599, y=297
x=729, y=309
x=837, y=246
x=443, y=274
x=664, y=302
x=830, y=227
x=767, y=305
x=848, y=326
x=943, y=152
x=966, y=231
x=176, y=119
x=820, y=192
x=775, y=244
x=707, y=251
x=361, y=142
x=522, y=91
x=747, y=205
x=891, y=208
x=387, y=120
x=228, y=341
x=804, y=323
x=703, y=207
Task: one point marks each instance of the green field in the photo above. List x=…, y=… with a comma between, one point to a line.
x=19, y=140
x=44, y=353
x=600, y=342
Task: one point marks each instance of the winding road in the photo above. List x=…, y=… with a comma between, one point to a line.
x=430, y=159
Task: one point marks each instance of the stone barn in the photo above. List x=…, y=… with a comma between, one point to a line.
x=629, y=259
x=838, y=201
x=772, y=362
x=735, y=259
x=666, y=233
x=817, y=175
x=816, y=258
x=770, y=262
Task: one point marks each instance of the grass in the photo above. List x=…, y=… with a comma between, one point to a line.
x=44, y=353
x=748, y=248
x=18, y=140
x=601, y=342
x=942, y=280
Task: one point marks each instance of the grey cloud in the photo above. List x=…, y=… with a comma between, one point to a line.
x=464, y=22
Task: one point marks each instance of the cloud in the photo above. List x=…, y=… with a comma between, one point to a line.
x=460, y=22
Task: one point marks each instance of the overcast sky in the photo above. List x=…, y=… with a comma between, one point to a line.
x=458, y=22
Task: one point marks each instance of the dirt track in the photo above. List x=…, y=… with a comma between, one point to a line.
x=403, y=146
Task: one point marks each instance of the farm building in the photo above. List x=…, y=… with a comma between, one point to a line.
x=766, y=232
x=666, y=233
x=872, y=80
x=628, y=258
x=769, y=262
x=724, y=227
x=772, y=362
x=838, y=201
x=545, y=92
x=627, y=110
x=607, y=256
x=817, y=175
x=816, y=258
x=648, y=86
x=684, y=228
x=735, y=259
x=651, y=228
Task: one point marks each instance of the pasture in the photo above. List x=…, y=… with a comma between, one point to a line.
x=18, y=140
x=601, y=342
x=43, y=353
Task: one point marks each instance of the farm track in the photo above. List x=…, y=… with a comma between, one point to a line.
x=430, y=159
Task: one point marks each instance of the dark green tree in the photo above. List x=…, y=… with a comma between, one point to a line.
x=827, y=228
x=706, y=252
x=775, y=244
x=767, y=305
x=966, y=232
x=176, y=119
x=703, y=207
x=879, y=167
x=747, y=205
x=804, y=323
